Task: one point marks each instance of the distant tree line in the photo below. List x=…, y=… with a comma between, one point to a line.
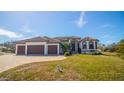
x=8, y=47
x=120, y=48
x=114, y=47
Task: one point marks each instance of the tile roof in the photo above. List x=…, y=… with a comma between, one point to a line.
x=39, y=39
x=68, y=38
x=54, y=40
x=89, y=39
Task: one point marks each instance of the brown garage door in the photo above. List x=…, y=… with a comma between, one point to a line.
x=52, y=49
x=35, y=49
x=21, y=50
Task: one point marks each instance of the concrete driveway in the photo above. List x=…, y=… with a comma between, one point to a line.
x=8, y=61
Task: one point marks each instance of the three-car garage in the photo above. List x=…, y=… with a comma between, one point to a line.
x=47, y=49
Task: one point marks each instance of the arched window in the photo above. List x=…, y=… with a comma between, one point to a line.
x=91, y=45
x=84, y=45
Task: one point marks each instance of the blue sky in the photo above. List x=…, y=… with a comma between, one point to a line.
x=108, y=27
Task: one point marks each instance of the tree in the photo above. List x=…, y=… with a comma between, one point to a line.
x=65, y=46
x=111, y=47
x=102, y=47
x=120, y=48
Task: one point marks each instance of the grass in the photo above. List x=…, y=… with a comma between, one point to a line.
x=76, y=67
x=109, y=53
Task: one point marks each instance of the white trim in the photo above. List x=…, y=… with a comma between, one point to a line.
x=35, y=43
x=94, y=44
x=46, y=49
x=20, y=44
x=16, y=49
x=53, y=44
x=25, y=49
x=58, y=48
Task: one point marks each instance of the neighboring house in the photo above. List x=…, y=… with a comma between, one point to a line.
x=51, y=46
x=2, y=47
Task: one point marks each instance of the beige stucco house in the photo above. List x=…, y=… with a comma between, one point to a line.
x=51, y=46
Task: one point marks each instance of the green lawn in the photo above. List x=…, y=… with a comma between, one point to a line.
x=76, y=67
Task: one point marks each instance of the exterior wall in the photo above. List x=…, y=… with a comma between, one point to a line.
x=38, y=43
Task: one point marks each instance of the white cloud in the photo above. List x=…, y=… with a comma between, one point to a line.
x=26, y=28
x=106, y=36
x=106, y=26
x=9, y=34
x=109, y=42
x=81, y=21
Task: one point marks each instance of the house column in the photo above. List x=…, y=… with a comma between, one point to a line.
x=81, y=45
x=69, y=41
x=94, y=44
x=87, y=44
x=45, y=49
x=58, y=49
x=16, y=49
x=26, y=49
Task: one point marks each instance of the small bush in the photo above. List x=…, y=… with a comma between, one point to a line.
x=67, y=53
x=96, y=53
x=7, y=50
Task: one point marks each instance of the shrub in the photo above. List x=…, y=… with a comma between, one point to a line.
x=120, y=49
x=67, y=53
x=7, y=50
x=65, y=46
x=96, y=53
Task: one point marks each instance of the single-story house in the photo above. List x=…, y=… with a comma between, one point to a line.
x=51, y=46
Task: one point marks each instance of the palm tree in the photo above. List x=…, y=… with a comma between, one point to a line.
x=65, y=46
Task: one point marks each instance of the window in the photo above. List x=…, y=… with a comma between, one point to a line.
x=73, y=47
x=84, y=45
x=96, y=44
x=91, y=45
